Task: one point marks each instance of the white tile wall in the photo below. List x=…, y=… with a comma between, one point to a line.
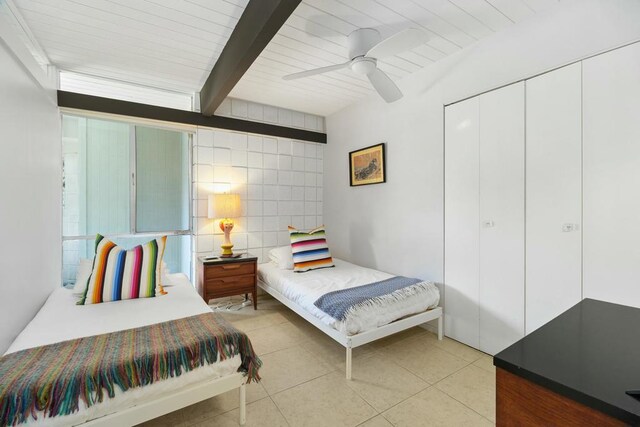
x=241, y=109
x=279, y=182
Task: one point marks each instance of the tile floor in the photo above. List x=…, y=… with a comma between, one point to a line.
x=409, y=379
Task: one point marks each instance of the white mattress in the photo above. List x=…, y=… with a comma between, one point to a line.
x=60, y=319
x=305, y=288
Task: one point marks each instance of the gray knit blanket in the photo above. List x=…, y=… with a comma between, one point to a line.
x=339, y=304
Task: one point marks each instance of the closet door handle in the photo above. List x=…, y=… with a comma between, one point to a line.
x=488, y=224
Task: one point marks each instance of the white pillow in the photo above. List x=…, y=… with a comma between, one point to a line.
x=282, y=257
x=82, y=276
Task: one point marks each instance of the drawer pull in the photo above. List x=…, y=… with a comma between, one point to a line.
x=231, y=266
x=228, y=280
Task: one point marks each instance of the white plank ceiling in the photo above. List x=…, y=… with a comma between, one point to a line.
x=173, y=44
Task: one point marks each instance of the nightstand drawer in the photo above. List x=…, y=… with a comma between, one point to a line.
x=230, y=283
x=231, y=269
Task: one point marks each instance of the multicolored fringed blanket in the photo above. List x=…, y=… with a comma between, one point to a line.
x=348, y=302
x=53, y=378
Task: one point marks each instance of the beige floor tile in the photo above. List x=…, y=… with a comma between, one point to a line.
x=274, y=338
x=383, y=383
x=432, y=407
x=287, y=368
x=486, y=362
x=251, y=323
x=325, y=401
x=475, y=387
x=219, y=404
x=378, y=421
x=457, y=349
x=400, y=336
x=334, y=354
x=262, y=413
x=424, y=360
x=170, y=420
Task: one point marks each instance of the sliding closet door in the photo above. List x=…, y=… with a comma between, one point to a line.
x=554, y=194
x=461, y=222
x=611, y=105
x=501, y=294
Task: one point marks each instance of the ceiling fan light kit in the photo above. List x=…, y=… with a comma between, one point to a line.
x=365, y=48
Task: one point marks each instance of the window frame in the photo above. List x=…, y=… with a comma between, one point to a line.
x=132, y=122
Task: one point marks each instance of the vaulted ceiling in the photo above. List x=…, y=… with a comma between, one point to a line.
x=174, y=44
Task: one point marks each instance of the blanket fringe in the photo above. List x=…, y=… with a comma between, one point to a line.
x=94, y=382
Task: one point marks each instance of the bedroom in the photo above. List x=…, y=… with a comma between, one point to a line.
x=502, y=155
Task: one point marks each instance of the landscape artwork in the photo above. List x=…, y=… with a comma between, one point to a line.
x=366, y=166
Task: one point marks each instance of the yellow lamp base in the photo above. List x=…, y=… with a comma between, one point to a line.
x=226, y=251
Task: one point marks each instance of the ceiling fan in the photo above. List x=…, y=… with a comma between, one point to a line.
x=365, y=48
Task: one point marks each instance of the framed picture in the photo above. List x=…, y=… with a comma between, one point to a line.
x=366, y=166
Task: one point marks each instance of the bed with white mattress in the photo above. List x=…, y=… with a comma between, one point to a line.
x=300, y=291
x=60, y=319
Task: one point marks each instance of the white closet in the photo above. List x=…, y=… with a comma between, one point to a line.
x=611, y=142
x=484, y=219
x=554, y=205
x=533, y=225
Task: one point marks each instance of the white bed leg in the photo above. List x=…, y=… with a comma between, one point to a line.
x=440, y=328
x=349, y=363
x=243, y=404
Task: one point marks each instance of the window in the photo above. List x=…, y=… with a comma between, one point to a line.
x=125, y=181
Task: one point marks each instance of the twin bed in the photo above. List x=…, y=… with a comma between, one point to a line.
x=301, y=291
x=61, y=320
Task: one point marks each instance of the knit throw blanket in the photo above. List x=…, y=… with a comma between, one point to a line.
x=346, y=303
x=53, y=378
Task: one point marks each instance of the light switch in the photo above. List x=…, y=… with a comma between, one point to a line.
x=568, y=227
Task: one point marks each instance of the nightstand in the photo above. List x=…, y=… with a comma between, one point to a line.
x=223, y=277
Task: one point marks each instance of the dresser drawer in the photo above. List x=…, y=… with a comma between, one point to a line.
x=230, y=283
x=232, y=269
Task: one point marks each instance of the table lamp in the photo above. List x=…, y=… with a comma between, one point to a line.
x=226, y=207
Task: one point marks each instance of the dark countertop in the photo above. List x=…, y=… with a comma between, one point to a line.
x=590, y=353
x=219, y=260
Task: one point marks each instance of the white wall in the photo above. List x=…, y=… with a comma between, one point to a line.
x=398, y=226
x=30, y=194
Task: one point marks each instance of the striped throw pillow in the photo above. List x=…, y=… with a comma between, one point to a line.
x=309, y=249
x=120, y=274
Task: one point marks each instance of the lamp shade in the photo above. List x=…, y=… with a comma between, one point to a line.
x=224, y=205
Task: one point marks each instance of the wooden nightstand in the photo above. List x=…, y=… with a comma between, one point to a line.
x=223, y=277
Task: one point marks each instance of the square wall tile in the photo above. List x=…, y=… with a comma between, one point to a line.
x=284, y=177
x=222, y=139
x=320, y=151
x=205, y=173
x=270, y=114
x=254, y=223
x=284, y=192
x=284, y=207
x=254, y=176
x=284, y=146
x=310, y=150
x=255, y=112
x=297, y=163
x=297, y=148
x=297, y=193
x=297, y=178
x=270, y=176
x=310, y=179
x=284, y=162
x=239, y=141
x=222, y=174
x=254, y=143
x=284, y=117
x=222, y=156
x=238, y=176
x=254, y=160
x=270, y=223
x=270, y=208
x=284, y=222
x=297, y=222
x=284, y=238
x=297, y=119
x=270, y=161
x=239, y=108
x=270, y=192
x=310, y=165
x=254, y=208
x=254, y=240
x=310, y=222
x=269, y=145
x=310, y=193
x=205, y=138
x=270, y=238
x=309, y=208
x=254, y=192
x=297, y=208
x=319, y=180
x=238, y=158
x=204, y=155
x=311, y=122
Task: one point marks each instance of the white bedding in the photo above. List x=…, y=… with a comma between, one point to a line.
x=305, y=288
x=60, y=319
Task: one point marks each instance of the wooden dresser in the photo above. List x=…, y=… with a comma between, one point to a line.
x=223, y=277
x=573, y=371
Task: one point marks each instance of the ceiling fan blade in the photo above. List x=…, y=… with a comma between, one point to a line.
x=385, y=86
x=315, y=71
x=397, y=43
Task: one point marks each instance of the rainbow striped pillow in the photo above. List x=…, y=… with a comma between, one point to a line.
x=309, y=249
x=120, y=274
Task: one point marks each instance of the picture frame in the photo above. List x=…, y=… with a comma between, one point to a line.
x=367, y=166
